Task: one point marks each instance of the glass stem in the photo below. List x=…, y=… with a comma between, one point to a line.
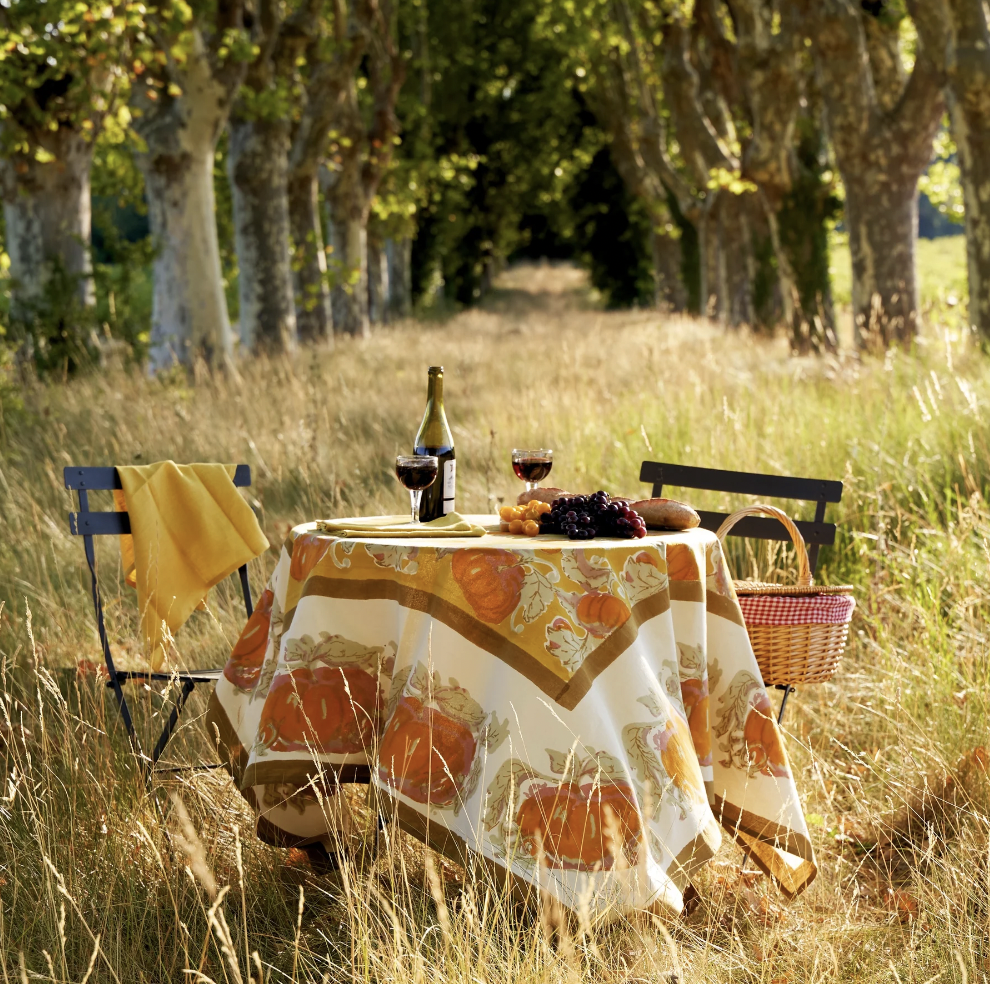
x=532, y=485
x=415, y=495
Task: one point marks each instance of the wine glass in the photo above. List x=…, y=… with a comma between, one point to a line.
x=532, y=465
x=416, y=472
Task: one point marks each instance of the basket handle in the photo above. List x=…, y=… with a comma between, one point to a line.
x=804, y=568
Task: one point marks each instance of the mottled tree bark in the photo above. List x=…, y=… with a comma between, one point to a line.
x=257, y=164
x=189, y=317
x=668, y=292
x=784, y=157
x=349, y=256
x=957, y=32
x=359, y=156
x=626, y=109
x=970, y=115
x=259, y=171
x=378, y=283
x=398, y=253
x=321, y=103
x=882, y=126
x=47, y=215
x=314, y=321
x=883, y=231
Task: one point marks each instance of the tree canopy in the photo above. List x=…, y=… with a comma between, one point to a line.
x=376, y=154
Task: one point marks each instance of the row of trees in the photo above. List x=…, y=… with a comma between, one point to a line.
x=282, y=78
x=460, y=131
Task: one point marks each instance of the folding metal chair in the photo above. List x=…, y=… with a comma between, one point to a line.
x=87, y=524
x=816, y=533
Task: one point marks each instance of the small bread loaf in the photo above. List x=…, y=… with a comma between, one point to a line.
x=666, y=514
x=541, y=495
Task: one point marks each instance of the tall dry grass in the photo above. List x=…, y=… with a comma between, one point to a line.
x=100, y=880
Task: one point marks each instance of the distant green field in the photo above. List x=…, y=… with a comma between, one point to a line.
x=941, y=266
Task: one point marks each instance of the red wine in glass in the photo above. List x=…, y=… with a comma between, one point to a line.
x=416, y=472
x=532, y=465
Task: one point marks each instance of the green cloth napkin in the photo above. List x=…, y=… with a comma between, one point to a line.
x=453, y=524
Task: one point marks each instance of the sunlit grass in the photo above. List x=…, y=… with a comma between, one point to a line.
x=887, y=757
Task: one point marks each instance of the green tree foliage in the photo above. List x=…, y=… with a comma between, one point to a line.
x=492, y=102
x=59, y=67
x=60, y=75
x=612, y=234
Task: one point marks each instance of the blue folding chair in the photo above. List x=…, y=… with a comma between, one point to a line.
x=88, y=523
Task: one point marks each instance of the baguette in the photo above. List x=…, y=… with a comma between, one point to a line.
x=541, y=495
x=666, y=514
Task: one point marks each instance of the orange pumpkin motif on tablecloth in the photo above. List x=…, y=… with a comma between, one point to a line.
x=694, y=694
x=581, y=819
x=491, y=581
x=307, y=551
x=748, y=733
x=429, y=746
x=664, y=756
x=766, y=754
x=679, y=757
x=325, y=696
x=600, y=613
x=682, y=563
x=244, y=665
x=332, y=710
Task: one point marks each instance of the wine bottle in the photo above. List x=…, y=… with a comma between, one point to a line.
x=433, y=437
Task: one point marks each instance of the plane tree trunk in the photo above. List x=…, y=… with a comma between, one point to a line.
x=957, y=30
x=378, y=283
x=881, y=124
x=189, y=317
x=258, y=164
x=398, y=253
x=47, y=216
x=349, y=238
x=970, y=115
x=359, y=156
x=314, y=321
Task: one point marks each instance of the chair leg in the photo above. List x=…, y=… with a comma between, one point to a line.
x=246, y=590
x=173, y=720
x=122, y=708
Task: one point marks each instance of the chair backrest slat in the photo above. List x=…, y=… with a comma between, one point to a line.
x=104, y=479
x=744, y=483
x=765, y=528
x=99, y=523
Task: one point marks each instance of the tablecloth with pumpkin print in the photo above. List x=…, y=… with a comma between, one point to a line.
x=587, y=715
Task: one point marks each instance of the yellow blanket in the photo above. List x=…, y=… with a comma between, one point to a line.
x=453, y=524
x=190, y=529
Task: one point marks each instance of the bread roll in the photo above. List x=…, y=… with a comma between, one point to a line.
x=666, y=514
x=541, y=495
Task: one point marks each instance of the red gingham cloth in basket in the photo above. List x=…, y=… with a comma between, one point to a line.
x=795, y=610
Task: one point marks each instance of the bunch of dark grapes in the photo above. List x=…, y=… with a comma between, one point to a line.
x=582, y=517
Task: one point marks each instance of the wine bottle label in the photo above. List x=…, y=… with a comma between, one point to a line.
x=449, y=481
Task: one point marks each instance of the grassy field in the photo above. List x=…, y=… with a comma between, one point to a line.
x=99, y=882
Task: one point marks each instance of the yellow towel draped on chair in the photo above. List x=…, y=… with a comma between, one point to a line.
x=190, y=528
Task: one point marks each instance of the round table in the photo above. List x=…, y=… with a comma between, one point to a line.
x=587, y=716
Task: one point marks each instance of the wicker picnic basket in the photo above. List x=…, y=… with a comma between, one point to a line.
x=798, y=631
